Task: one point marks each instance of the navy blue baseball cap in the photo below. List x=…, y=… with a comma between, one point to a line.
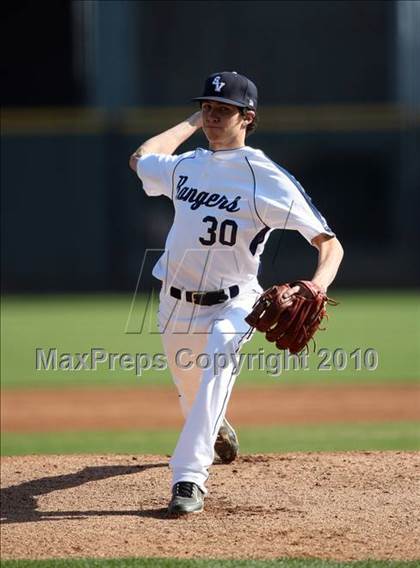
x=230, y=87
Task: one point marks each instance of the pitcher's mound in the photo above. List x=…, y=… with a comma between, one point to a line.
x=345, y=506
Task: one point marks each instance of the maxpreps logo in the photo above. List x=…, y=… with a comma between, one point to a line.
x=198, y=198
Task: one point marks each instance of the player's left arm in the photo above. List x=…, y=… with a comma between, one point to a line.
x=330, y=255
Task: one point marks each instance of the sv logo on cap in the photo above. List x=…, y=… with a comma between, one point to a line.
x=218, y=85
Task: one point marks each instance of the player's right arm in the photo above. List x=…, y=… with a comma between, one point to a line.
x=169, y=140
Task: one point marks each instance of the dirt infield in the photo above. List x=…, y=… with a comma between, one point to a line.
x=346, y=506
x=132, y=408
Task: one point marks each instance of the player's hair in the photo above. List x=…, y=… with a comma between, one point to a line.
x=250, y=127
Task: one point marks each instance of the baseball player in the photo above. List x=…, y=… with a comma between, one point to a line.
x=227, y=200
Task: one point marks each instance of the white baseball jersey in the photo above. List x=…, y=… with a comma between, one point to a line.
x=226, y=204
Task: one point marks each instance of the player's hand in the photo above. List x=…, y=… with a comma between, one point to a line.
x=196, y=119
x=287, y=297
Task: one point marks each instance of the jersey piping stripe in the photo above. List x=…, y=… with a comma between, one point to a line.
x=230, y=381
x=254, y=191
x=226, y=149
x=173, y=173
x=282, y=234
x=304, y=195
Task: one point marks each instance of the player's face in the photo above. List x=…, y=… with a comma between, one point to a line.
x=223, y=124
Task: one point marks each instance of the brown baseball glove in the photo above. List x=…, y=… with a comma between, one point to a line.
x=290, y=323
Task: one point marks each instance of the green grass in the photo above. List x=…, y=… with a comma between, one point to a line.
x=171, y=562
x=386, y=322
x=314, y=438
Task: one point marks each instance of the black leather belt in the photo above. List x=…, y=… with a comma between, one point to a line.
x=206, y=298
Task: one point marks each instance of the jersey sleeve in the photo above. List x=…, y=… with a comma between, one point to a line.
x=155, y=172
x=282, y=203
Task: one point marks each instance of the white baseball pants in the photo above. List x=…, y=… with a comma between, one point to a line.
x=201, y=345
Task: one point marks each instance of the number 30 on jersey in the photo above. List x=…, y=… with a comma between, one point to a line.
x=225, y=233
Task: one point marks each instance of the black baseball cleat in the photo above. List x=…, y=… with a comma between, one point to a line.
x=227, y=444
x=187, y=497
